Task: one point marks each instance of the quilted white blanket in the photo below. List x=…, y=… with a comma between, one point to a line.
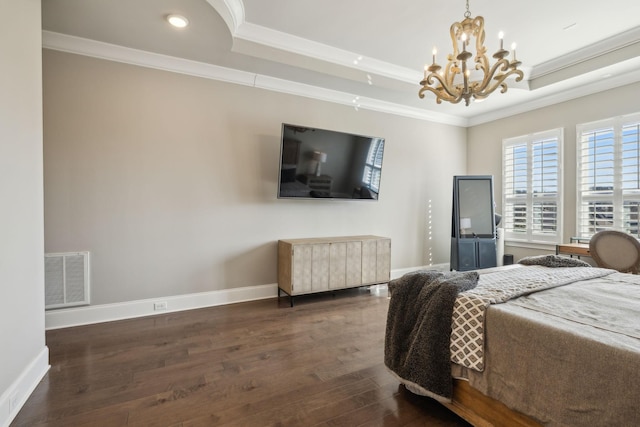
x=467, y=335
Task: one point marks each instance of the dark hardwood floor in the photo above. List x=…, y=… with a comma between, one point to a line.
x=259, y=363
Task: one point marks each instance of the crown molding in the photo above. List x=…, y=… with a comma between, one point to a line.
x=611, y=44
x=101, y=50
x=111, y=52
x=263, y=36
x=231, y=11
x=355, y=101
x=92, y=48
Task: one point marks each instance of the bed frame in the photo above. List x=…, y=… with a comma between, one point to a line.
x=483, y=411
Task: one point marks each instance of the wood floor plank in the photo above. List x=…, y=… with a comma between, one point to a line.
x=260, y=363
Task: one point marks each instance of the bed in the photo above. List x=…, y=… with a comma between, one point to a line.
x=566, y=354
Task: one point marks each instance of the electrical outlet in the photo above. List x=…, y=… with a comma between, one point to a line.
x=159, y=306
x=13, y=401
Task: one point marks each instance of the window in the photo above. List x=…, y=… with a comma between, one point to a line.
x=373, y=165
x=532, y=187
x=608, y=175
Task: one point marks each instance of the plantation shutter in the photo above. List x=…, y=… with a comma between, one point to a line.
x=630, y=177
x=608, y=176
x=515, y=176
x=546, y=171
x=532, y=186
x=597, y=172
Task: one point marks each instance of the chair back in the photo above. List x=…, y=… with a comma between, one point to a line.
x=616, y=250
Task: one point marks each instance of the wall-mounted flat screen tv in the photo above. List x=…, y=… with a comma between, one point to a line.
x=325, y=164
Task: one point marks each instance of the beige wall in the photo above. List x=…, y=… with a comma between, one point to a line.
x=485, y=142
x=21, y=215
x=170, y=180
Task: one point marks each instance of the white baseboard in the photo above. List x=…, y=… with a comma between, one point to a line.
x=77, y=316
x=14, y=398
x=64, y=318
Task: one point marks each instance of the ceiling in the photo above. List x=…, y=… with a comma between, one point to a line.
x=368, y=54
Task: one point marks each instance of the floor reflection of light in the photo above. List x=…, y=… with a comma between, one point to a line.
x=378, y=290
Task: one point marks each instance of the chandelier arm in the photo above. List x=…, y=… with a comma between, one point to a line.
x=440, y=96
x=453, y=94
x=454, y=91
x=500, y=81
x=490, y=73
x=482, y=64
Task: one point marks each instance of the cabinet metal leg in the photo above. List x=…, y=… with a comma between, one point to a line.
x=285, y=292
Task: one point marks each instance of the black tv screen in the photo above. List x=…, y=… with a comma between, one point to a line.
x=325, y=164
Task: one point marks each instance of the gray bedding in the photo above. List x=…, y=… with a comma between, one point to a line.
x=567, y=356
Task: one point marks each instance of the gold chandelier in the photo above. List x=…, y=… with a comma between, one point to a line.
x=458, y=82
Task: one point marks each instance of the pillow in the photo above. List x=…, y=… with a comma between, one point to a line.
x=553, y=261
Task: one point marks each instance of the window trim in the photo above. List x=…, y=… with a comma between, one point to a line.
x=531, y=236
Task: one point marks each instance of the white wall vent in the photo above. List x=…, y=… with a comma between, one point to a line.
x=66, y=279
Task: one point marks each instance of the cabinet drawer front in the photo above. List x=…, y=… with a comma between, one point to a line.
x=338, y=266
x=369, y=254
x=320, y=267
x=301, y=266
x=383, y=260
x=354, y=263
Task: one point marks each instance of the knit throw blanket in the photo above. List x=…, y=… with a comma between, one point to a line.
x=418, y=331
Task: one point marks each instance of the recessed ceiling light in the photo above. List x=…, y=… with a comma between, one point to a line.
x=177, y=21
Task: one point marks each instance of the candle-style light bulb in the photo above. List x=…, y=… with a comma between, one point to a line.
x=434, y=51
x=513, y=48
x=501, y=37
x=464, y=41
